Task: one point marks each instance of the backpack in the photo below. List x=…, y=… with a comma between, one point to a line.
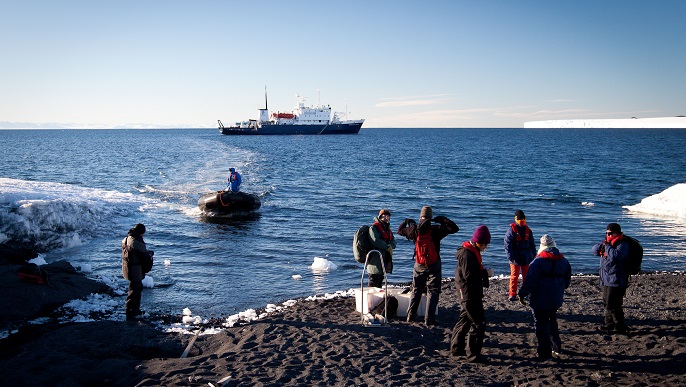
x=392, y=307
x=33, y=274
x=425, y=250
x=361, y=244
x=635, y=257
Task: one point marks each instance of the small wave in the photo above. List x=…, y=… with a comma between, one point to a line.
x=45, y=216
x=670, y=202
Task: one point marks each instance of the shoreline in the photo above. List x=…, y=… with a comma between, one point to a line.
x=323, y=341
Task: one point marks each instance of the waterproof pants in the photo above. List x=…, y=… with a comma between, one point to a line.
x=547, y=332
x=133, y=298
x=470, y=330
x=428, y=278
x=514, y=276
x=376, y=280
x=613, y=299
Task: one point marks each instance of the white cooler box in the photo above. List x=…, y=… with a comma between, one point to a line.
x=373, y=296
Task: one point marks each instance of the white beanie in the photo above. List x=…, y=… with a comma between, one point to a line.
x=546, y=242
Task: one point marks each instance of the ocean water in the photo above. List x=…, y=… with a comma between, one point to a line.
x=73, y=194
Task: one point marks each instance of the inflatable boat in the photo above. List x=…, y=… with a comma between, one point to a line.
x=229, y=202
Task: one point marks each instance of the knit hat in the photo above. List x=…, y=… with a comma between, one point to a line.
x=519, y=214
x=481, y=235
x=426, y=212
x=546, y=242
x=384, y=211
x=615, y=228
x=139, y=228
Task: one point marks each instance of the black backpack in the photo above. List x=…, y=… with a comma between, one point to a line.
x=33, y=273
x=361, y=244
x=635, y=257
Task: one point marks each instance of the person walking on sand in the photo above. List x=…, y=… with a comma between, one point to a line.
x=234, y=181
x=427, y=272
x=520, y=249
x=613, y=252
x=381, y=237
x=136, y=261
x=549, y=275
x=470, y=279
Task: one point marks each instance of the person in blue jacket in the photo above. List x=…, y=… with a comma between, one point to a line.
x=549, y=275
x=520, y=249
x=234, y=181
x=613, y=252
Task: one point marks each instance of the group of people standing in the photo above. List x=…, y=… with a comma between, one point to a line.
x=545, y=273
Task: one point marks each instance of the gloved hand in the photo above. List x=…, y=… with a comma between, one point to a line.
x=484, y=279
x=522, y=300
x=151, y=253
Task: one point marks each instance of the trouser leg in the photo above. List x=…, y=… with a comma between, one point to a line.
x=375, y=280
x=458, y=341
x=133, y=298
x=514, y=279
x=615, y=308
x=555, y=332
x=433, y=286
x=477, y=330
x=418, y=286
x=542, y=323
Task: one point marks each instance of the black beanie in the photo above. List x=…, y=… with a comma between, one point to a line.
x=139, y=228
x=615, y=228
x=519, y=214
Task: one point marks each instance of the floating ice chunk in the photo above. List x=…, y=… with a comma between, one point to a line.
x=297, y=277
x=187, y=312
x=322, y=264
x=148, y=282
x=167, y=263
x=587, y=204
x=86, y=268
x=670, y=202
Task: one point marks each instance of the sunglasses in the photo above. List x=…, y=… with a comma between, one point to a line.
x=609, y=233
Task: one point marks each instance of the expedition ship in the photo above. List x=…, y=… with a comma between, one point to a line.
x=302, y=120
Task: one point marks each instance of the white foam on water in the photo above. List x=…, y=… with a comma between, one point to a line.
x=48, y=215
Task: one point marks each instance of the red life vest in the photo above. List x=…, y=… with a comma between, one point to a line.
x=515, y=229
x=386, y=234
x=474, y=250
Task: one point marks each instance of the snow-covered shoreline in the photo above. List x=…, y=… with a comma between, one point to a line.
x=678, y=122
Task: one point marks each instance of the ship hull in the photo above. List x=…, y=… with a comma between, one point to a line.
x=289, y=129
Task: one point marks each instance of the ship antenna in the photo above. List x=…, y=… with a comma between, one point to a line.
x=265, y=98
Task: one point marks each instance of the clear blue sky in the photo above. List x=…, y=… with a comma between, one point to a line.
x=396, y=63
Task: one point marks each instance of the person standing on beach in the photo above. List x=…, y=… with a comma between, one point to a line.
x=520, y=249
x=613, y=252
x=470, y=279
x=381, y=237
x=426, y=275
x=136, y=261
x=234, y=181
x=549, y=275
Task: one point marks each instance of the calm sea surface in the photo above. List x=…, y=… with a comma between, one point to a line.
x=75, y=193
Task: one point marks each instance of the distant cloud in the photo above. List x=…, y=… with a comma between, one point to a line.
x=415, y=101
x=562, y=100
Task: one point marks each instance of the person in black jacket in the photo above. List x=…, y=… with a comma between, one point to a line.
x=470, y=279
x=426, y=276
x=136, y=261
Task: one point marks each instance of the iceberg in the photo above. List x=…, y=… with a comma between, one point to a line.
x=670, y=202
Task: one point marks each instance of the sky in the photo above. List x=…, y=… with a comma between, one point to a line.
x=462, y=64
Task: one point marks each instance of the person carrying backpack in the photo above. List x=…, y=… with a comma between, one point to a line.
x=520, y=249
x=136, y=261
x=381, y=238
x=427, y=267
x=613, y=252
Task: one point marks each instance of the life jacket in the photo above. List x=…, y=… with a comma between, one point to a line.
x=386, y=233
x=425, y=250
x=232, y=177
x=515, y=230
x=476, y=252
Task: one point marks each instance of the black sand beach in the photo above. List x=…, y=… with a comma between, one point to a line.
x=323, y=343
